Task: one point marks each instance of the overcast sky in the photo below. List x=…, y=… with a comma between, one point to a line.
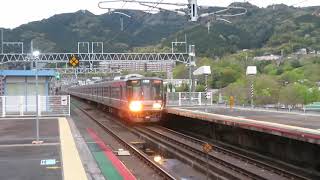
x=16, y=12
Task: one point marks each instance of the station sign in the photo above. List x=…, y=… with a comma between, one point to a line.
x=46, y=162
x=64, y=100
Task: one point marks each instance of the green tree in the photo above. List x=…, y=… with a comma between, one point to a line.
x=200, y=88
x=239, y=91
x=183, y=88
x=180, y=71
x=266, y=90
x=270, y=69
x=313, y=95
x=293, y=94
x=295, y=63
x=292, y=76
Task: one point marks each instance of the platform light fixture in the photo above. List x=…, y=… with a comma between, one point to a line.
x=36, y=55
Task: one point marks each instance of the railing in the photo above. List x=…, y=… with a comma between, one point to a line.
x=189, y=99
x=27, y=106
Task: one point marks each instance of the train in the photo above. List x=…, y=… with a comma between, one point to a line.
x=134, y=98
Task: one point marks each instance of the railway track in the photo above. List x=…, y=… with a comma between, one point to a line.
x=221, y=162
x=249, y=160
x=245, y=166
x=161, y=172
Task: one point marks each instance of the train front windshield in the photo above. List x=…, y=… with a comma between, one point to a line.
x=146, y=89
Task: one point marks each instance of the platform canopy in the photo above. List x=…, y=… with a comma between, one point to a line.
x=251, y=70
x=203, y=70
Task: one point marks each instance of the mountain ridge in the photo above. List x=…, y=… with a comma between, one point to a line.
x=261, y=28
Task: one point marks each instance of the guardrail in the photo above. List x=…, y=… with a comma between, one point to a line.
x=189, y=99
x=27, y=106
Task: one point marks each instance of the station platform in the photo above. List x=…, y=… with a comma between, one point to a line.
x=63, y=154
x=300, y=126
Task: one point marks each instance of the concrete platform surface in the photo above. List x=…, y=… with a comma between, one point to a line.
x=24, y=162
x=233, y=119
x=56, y=158
x=299, y=119
x=23, y=130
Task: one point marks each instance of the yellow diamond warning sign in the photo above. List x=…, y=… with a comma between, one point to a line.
x=206, y=148
x=74, y=61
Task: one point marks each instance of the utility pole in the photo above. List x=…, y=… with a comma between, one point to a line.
x=1, y=41
x=252, y=92
x=191, y=63
x=251, y=72
x=206, y=90
x=121, y=23
x=35, y=56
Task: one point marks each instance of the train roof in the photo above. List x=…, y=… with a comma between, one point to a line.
x=121, y=80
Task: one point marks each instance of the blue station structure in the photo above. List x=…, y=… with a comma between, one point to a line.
x=22, y=82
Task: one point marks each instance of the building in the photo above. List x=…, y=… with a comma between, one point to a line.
x=270, y=57
x=22, y=82
x=19, y=90
x=1, y=86
x=156, y=66
x=302, y=51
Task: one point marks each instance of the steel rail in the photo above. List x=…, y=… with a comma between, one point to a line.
x=260, y=164
x=134, y=150
x=198, y=155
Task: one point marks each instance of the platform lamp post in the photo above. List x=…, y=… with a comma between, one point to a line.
x=191, y=63
x=251, y=72
x=206, y=71
x=35, y=55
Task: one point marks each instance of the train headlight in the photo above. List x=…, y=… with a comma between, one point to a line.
x=135, y=106
x=156, y=106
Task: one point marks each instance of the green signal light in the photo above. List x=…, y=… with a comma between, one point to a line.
x=58, y=76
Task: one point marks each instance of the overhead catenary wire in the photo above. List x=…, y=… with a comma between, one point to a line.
x=131, y=22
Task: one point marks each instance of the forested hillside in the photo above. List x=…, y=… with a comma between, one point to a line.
x=270, y=29
x=277, y=29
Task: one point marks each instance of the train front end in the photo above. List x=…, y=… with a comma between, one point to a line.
x=146, y=99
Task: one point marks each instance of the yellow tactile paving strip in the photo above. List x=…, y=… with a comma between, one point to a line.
x=72, y=165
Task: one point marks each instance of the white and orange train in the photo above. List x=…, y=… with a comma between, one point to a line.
x=136, y=99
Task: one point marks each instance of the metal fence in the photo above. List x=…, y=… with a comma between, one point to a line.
x=189, y=99
x=27, y=106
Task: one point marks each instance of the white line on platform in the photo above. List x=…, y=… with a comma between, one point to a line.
x=28, y=145
x=26, y=118
x=249, y=109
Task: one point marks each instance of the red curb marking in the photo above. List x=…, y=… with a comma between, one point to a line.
x=121, y=168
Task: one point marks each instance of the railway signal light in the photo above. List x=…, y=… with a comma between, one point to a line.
x=58, y=77
x=193, y=10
